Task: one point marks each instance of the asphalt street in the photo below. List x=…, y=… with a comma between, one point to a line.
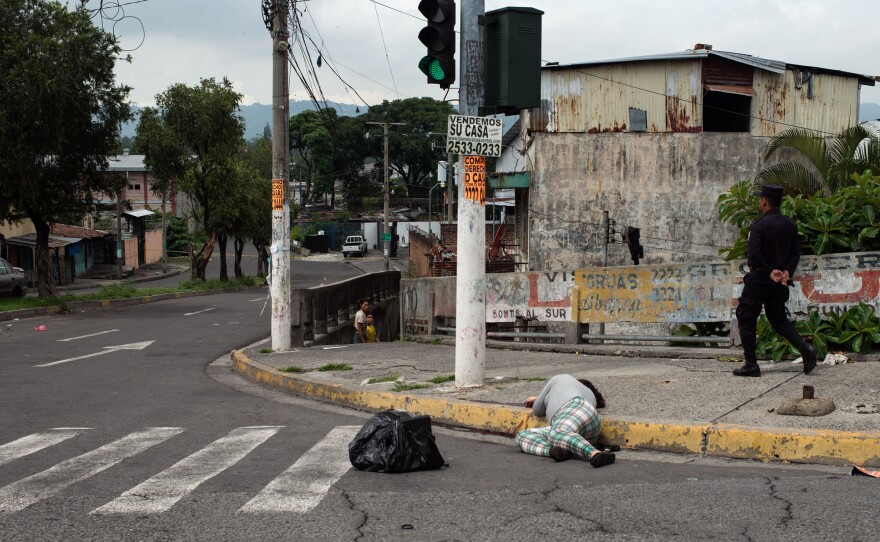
x=127, y=424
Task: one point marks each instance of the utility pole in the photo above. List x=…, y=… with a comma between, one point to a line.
x=386, y=245
x=470, y=288
x=279, y=286
x=120, y=246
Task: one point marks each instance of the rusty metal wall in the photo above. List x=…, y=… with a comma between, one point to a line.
x=596, y=99
x=779, y=106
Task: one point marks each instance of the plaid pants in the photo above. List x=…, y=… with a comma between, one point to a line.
x=571, y=428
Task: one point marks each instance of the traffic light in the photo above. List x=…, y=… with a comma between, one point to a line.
x=633, y=240
x=439, y=37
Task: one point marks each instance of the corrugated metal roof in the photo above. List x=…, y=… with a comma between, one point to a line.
x=773, y=66
x=127, y=162
x=30, y=240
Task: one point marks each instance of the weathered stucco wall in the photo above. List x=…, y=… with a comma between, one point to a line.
x=664, y=184
x=644, y=299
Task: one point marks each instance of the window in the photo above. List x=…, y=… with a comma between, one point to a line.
x=727, y=110
x=135, y=186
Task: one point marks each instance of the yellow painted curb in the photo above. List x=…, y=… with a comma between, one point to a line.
x=718, y=440
x=682, y=439
x=801, y=446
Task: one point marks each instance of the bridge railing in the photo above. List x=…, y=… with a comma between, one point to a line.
x=325, y=314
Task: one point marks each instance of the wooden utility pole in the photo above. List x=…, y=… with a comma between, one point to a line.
x=386, y=245
x=279, y=285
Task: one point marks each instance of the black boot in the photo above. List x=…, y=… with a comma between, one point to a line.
x=559, y=454
x=809, y=360
x=749, y=369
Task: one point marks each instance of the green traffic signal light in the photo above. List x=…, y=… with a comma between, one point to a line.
x=432, y=67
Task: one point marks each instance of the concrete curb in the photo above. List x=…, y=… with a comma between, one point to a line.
x=73, y=306
x=711, y=440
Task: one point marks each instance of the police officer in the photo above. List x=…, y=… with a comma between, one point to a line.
x=773, y=253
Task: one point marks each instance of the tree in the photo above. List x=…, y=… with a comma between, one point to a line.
x=164, y=156
x=310, y=137
x=60, y=114
x=828, y=167
x=207, y=136
x=410, y=152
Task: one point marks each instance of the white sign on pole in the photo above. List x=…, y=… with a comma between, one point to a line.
x=474, y=136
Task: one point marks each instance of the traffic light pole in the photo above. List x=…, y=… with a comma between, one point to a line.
x=279, y=285
x=470, y=290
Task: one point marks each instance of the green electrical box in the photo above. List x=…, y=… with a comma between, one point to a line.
x=513, y=60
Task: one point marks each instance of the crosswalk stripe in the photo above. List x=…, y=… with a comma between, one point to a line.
x=25, y=492
x=34, y=443
x=163, y=490
x=305, y=483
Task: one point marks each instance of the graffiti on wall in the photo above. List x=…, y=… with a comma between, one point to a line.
x=830, y=283
x=544, y=297
x=692, y=292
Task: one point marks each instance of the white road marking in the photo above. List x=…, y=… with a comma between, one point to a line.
x=87, y=336
x=199, y=312
x=107, y=350
x=19, y=495
x=257, y=299
x=36, y=442
x=305, y=483
x=162, y=491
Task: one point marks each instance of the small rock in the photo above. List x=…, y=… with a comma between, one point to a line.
x=806, y=407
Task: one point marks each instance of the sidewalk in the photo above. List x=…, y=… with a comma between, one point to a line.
x=144, y=273
x=674, y=399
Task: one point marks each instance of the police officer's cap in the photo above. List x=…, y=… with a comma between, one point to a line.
x=770, y=191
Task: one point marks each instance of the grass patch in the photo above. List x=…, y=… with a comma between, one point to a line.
x=121, y=290
x=436, y=341
x=536, y=379
x=402, y=386
x=265, y=350
x=441, y=379
x=387, y=378
x=335, y=367
x=292, y=369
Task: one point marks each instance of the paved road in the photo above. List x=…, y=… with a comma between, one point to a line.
x=98, y=441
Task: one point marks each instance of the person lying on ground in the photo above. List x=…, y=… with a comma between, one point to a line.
x=570, y=404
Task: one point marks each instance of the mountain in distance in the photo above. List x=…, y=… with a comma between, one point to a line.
x=869, y=112
x=256, y=116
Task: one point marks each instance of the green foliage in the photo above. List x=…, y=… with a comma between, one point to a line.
x=292, y=369
x=855, y=330
x=265, y=350
x=701, y=329
x=60, y=114
x=335, y=367
x=830, y=162
x=401, y=386
x=442, y=378
x=437, y=341
x=770, y=343
x=847, y=220
x=391, y=377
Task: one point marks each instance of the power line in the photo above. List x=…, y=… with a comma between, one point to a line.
x=385, y=46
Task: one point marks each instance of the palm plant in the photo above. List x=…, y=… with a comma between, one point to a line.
x=830, y=163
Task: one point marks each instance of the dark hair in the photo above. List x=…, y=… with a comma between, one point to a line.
x=362, y=301
x=600, y=401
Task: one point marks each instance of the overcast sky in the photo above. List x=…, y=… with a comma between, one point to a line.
x=185, y=40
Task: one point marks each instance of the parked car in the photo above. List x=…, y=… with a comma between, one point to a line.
x=354, y=244
x=12, y=279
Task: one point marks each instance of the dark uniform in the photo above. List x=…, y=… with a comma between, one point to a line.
x=773, y=244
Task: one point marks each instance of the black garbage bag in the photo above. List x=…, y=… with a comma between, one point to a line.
x=395, y=441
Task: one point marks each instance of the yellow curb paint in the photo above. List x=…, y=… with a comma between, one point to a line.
x=803, y=446
x=685, y=439
x=722, y=440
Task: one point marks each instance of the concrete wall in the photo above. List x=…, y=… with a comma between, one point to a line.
x=153, y=246
x=644, y=299
x=664, y=184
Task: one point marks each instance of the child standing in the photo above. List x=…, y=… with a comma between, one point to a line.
x=370, y=330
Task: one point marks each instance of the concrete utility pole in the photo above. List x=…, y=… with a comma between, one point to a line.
x=450, y=171
x=386, y=245
x=470, y=289
x=279, y=286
